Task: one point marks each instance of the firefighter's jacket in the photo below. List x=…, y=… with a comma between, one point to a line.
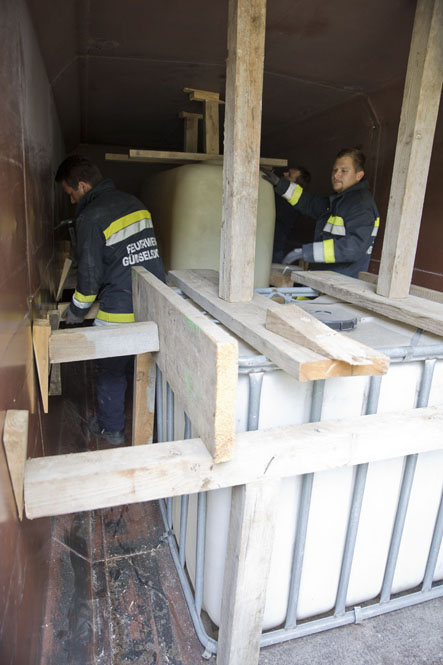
x=345, y=230
x=114, y=233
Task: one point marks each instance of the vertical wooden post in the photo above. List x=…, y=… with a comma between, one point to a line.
x=190, y=143
x=244, y=83
x=248, y=557
x=414, y=147
x=143, y=399
x=212, y=125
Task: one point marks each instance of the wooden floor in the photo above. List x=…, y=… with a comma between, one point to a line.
x=114, y=597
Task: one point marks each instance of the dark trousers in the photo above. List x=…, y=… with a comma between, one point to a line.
x=113, y=376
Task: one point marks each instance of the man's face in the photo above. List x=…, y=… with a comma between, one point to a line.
x=76, y=195
x=291, y=175
x=344, y=174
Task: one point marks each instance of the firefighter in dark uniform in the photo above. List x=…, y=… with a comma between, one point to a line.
x=114, y=232
x=346, y=222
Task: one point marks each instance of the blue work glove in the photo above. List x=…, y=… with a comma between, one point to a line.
x=295, y=255
x=71, y=318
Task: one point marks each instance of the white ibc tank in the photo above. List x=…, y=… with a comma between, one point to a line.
x=286, y=401
x=186, y=206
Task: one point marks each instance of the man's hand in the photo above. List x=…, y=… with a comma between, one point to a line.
x=295, y=255
x=70, y=317
x=270, y=176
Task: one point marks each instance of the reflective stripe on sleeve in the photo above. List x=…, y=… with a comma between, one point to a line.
x=335, y=225
x=376, y=225
x=127, y=226
x=81, y=301
x=113, y=317
x=293, y=193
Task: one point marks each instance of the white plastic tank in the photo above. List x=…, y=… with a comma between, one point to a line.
x=186, y=207
x=286, y=401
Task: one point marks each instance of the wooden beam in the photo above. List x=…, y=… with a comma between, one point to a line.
x=154, y=156
x=190, y=143
x=102, y=478
x=71, y=345
x=247, y=320
x=64, y=274
x=414, y=148
x=414, y=290
x=41, y=332
x=197, y=358
x=211, y=125
x=15, y=441
x=203, y=95
x=248, y=560
x=292, y=322
x=415, y=311
x=244, y=83
x=144, y=399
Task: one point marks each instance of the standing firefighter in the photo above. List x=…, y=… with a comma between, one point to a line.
x=347, y=221
x=114, y=232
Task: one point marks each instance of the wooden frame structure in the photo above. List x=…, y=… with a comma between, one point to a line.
x=111, y=477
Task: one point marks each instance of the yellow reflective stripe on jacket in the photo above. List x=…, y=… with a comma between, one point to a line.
x=328, y=250
x=293, y=193
x=112, y=317
x=335, y=225
x=127, y=226
x=376, y=225
x=82, y=301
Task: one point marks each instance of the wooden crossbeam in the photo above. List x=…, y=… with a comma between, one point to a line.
x=15, y=441
x=98, y=479
x=414, y=290
x=413, y=310
x=197, y=358
x=248, y=321
x=164, y=156
x=71, y=345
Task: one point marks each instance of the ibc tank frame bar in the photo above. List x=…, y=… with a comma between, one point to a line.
x=255, y=368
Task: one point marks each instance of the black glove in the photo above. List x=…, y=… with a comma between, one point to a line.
x=295, y=255
x=270, y=176
x=71, y=318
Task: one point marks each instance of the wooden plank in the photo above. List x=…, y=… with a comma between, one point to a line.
x=64, y=484
x=244, y=83
x=197, y=358
x=65, y=270
x=126, y=339
x=15, y=441
x=41, y=332
x=211, y=128
x=248, y=560
x=415, y=311
x=299, y=326
x=414, y=290
x=154, y=156
x=414, y=148
x=248, y=320
x=203, y=95
x=144, y=399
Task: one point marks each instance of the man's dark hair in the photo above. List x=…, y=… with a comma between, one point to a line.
x=304, y=178
x=357, y=155
x=76, y=168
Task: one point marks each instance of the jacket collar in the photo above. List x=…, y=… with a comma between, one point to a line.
x=102, y=186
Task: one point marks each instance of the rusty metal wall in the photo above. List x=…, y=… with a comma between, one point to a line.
x=30, y=146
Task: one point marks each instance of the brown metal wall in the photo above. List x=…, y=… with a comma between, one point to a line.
x=30, y=145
